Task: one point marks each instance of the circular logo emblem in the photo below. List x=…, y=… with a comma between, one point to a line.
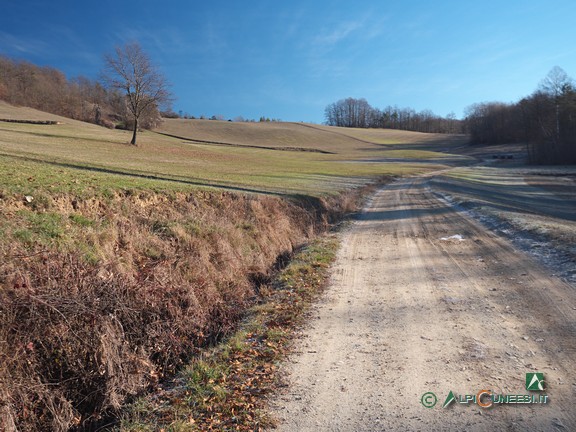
x=429, y=399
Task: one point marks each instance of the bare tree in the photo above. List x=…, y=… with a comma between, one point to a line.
x=556, y=83
x=349, y=112
x=130, y=70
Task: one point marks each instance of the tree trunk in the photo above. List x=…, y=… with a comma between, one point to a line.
x=133, y=142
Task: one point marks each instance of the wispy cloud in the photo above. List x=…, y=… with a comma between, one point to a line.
x=167, y=40
x=16, y=45
x=41, y=50
x=342, y=43
x=362, y=28
x=333, y=36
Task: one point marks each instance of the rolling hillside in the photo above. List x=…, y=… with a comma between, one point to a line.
x=260, y=157
x=343, y=141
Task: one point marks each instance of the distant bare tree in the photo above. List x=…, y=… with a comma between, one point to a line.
x=556, y=84
x=349, y=112
x=130, y=70
x=493, y=123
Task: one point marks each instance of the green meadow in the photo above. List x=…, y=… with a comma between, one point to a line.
x=279, y=158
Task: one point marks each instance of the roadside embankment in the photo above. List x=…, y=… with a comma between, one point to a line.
x=101, y=297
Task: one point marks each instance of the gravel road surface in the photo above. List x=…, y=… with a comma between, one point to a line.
x=425, y=299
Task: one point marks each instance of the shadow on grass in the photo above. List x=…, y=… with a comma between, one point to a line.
x=144, y=175
x=219, y=143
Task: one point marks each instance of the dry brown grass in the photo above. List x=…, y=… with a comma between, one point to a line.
x=227, y=387
x=101, y=298
x=398, y=137
x=347, y=142
x=8, y=111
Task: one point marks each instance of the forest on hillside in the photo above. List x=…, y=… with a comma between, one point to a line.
x=47, y=89
x=545, y=121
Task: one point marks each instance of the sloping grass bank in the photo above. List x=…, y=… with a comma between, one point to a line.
x=226, y=387
x=104, y=295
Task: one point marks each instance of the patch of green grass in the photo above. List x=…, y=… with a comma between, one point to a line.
x=30, y=227
x=25, y=236
x=88, y=252
x=40, y=179
x=80, y=220
x=203, y=384
x=47, y=226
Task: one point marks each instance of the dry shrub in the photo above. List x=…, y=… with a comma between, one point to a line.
x=174, y=272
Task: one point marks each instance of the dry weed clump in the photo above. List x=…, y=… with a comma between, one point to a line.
x=101, y=298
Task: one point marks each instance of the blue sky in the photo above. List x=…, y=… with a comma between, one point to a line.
x=289, y=59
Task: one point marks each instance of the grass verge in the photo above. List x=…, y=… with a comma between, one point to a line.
x=224, y=388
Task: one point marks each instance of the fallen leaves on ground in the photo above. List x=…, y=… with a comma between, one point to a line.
x=225, y=388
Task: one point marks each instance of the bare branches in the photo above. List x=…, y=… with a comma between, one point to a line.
x=131, y=71
x=545, y=121
x=352, y=112
x=556, y=83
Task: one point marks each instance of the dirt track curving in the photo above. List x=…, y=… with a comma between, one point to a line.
x=425, y=299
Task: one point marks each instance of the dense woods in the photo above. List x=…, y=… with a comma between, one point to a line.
x=47, y=89
x=545, y=121
x=359, y=113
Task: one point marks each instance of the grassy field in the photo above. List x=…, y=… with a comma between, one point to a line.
x=51, y=156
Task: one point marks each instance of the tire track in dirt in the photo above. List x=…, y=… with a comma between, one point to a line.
x=409, y=312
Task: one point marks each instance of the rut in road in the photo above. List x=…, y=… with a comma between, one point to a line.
x=412, y=309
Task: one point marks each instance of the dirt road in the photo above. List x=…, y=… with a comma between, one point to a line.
x=424, y=299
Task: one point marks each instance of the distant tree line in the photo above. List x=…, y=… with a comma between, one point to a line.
x=238, y=119
x=47, y=89
x=358, y=113
x=545, y=121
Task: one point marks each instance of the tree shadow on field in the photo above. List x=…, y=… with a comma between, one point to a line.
x=147, y=176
